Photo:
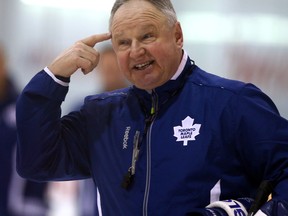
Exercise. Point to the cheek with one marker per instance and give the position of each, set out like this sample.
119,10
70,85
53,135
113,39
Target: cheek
158,51
122,60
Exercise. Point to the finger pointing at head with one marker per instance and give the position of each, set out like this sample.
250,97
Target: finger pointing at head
80,55
94,39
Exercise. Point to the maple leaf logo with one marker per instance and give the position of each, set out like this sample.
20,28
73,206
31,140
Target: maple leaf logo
187,132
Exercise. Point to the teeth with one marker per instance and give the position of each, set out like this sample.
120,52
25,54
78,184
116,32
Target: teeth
140,66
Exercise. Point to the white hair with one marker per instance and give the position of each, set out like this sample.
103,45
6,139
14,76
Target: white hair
164,6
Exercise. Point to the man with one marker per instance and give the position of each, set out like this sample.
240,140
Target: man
18,197
176,141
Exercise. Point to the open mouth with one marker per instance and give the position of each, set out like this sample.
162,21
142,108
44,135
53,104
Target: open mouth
143,66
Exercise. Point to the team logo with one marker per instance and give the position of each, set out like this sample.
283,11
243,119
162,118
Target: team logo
187,132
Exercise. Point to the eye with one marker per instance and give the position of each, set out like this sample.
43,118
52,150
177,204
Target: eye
123,42
147,36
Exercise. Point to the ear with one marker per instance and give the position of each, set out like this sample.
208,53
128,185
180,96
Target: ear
178,34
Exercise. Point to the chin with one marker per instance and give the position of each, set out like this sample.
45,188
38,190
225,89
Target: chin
146,86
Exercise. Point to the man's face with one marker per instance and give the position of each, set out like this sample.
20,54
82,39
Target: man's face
148,49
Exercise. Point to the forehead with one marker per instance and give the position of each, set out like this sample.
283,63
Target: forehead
135,13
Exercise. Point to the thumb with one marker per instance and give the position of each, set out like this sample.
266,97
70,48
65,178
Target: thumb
94,39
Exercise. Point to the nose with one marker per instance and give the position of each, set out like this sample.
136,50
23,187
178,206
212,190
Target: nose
137,50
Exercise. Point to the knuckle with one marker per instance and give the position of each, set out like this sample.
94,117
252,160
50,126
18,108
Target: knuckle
95,58
77,50
87,65
78,43
78,47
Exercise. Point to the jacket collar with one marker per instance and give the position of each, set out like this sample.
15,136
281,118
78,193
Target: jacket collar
181,66
167,90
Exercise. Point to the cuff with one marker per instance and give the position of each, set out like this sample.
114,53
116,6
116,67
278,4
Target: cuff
60,80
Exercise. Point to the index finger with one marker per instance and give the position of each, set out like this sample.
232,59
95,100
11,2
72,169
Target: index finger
94,39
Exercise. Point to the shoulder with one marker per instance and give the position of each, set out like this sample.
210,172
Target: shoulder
235,91
204,79
108,97
104,104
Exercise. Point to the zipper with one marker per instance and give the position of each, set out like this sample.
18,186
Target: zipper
148,130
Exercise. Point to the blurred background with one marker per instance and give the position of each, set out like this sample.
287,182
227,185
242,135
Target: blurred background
240,39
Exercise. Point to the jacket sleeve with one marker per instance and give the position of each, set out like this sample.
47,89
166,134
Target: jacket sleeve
261,137
49,147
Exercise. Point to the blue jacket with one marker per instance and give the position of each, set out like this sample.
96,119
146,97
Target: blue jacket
201,138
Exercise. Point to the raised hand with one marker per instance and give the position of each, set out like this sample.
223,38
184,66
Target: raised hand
81,55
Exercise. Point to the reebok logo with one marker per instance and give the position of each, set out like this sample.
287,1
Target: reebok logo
187,132
126,137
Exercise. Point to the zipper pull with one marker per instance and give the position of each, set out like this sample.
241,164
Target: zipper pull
129,176
136,150
127,180
152,112
154,103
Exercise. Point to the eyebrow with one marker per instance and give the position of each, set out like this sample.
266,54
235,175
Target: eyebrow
144,28
117,35
148,27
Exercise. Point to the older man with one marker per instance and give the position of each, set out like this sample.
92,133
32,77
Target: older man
178,140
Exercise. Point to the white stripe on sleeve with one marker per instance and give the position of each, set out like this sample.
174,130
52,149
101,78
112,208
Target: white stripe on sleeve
99,203
65,84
